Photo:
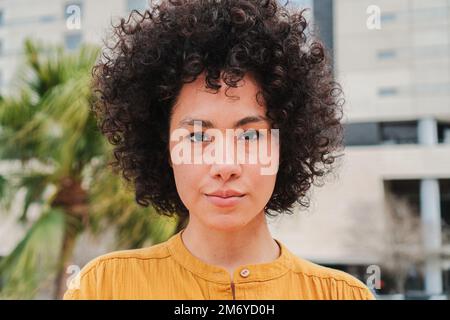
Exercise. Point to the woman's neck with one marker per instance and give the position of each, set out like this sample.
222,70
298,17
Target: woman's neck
251,244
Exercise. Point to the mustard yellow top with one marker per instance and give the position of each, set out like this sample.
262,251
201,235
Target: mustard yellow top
168,270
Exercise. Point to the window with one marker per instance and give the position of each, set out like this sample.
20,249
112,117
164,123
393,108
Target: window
443,132
47,18
73,40
387,91
444,195
398,132
2,21
361,134
388,16
377,133
408,189
386,54
446,278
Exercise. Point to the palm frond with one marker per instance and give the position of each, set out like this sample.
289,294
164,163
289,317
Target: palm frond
135,225
49,121
34,257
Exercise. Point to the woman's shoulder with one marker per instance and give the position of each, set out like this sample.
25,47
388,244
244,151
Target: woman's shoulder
340,284
310,269
84,283
157,251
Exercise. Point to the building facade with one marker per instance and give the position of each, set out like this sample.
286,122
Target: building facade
66,22
392,59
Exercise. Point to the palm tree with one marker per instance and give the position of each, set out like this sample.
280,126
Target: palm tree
47,128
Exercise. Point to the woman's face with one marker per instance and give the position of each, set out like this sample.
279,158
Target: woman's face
198,178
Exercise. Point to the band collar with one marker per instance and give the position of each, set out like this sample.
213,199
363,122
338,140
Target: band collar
244,273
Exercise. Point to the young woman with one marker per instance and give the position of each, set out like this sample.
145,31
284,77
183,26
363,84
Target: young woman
189,92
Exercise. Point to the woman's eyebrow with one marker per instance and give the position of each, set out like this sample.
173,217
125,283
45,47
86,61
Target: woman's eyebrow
209,124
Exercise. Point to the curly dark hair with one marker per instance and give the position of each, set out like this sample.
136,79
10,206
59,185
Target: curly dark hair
153,53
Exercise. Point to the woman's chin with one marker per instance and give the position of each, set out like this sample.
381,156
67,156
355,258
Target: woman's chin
226,223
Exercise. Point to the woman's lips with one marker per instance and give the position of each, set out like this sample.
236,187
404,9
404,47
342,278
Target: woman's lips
224,202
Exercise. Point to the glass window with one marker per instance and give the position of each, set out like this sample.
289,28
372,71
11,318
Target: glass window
387,91
444,132
375,133
73,40
386,54
47,18
388,16
398,132
360,134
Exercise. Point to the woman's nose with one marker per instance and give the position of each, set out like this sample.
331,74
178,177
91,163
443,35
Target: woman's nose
225,171
227,165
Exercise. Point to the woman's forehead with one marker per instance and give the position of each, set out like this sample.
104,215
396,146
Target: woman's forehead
195,101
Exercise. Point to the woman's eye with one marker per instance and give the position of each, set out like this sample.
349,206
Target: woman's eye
251,135
198,137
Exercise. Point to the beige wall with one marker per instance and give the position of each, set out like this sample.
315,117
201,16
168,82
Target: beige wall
420,35
347,217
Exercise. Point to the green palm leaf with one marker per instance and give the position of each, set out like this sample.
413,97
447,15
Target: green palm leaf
29,263
49,128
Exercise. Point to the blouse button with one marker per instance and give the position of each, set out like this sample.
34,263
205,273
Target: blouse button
245,272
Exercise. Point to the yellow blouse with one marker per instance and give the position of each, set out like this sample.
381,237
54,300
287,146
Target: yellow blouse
168,270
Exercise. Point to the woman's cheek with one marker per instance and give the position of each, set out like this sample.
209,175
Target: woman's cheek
187,180
261,186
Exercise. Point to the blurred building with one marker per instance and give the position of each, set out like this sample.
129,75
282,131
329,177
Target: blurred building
64,22
60,22
396,81
392,59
